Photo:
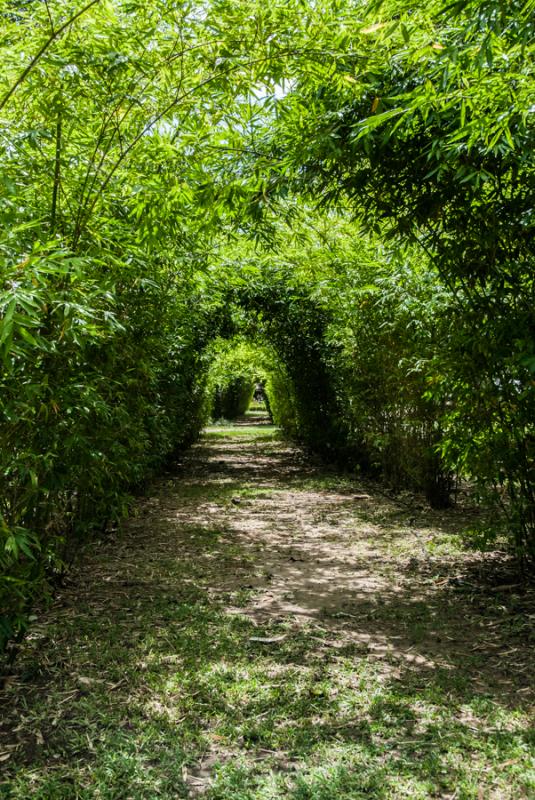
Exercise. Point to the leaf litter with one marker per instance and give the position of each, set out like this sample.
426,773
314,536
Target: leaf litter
238,649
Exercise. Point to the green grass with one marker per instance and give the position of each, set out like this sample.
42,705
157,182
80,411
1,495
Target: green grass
148,677
146,698
242,431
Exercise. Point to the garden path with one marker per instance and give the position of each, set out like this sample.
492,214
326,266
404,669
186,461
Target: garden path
265,627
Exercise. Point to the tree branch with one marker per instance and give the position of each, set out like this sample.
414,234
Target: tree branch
53,36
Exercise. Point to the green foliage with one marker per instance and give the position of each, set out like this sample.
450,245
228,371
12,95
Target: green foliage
233,400
233,374
420,120
280,397
103,319
298,387
154,162
355,329
97,389
388,332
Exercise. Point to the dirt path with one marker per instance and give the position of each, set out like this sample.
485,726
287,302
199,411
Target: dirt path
262,628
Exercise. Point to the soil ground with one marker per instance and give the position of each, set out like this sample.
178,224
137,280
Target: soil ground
263,627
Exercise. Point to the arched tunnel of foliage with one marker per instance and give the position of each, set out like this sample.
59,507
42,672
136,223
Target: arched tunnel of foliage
347,186
235,369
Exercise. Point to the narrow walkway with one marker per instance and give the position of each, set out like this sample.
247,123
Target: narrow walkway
262,628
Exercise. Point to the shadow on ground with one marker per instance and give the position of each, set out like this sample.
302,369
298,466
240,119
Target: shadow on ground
263,629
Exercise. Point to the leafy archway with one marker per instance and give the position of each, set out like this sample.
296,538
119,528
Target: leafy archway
163,162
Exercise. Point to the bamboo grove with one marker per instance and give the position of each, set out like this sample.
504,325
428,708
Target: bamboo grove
339,192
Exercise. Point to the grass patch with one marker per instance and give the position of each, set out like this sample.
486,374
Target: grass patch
249,432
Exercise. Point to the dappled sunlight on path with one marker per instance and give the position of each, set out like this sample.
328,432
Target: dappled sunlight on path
262,627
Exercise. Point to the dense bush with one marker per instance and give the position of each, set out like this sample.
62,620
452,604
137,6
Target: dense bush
239,363
355,330
233,400
102,320
100,383
280,399
425,131
151,201
389,332
299,388
232,377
